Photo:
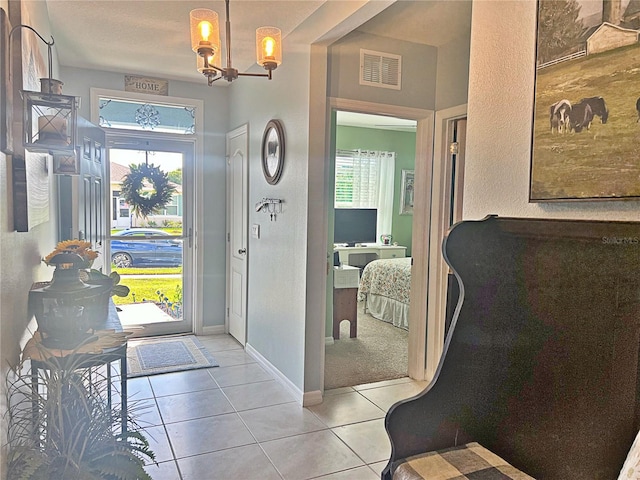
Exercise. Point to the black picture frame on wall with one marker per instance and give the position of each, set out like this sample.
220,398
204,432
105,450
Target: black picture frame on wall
273,151
585,131
6,86
20,202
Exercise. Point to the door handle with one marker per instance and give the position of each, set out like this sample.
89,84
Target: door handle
242,251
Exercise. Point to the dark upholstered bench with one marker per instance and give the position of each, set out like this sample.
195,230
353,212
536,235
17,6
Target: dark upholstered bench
471,461
540,365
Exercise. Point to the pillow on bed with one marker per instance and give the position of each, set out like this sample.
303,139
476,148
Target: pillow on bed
631,467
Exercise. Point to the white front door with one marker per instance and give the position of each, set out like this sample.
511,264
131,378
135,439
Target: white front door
154,254
237,216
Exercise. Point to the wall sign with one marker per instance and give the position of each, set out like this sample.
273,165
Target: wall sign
155,86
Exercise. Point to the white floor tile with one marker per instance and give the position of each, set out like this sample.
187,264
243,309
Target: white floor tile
187,406
209,434
360,473
182,382
345,409
310,455
237,421
163,471
368,439
240,374
242,463
254,395
280,421
387,396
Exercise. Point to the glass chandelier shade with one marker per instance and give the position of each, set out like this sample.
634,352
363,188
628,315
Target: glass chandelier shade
205,31
205,41
269,47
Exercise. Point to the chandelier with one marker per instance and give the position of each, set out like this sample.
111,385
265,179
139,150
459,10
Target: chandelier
205,41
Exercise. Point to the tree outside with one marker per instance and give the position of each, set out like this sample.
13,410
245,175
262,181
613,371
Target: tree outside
560,29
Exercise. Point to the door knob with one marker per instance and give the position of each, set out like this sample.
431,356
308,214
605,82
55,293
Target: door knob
242,251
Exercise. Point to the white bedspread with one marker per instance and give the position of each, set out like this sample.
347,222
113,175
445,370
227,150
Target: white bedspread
386,285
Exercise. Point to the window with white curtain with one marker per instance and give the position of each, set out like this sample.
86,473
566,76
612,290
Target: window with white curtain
364,179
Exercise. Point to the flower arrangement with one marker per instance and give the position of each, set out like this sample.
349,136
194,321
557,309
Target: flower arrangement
79,247
83,249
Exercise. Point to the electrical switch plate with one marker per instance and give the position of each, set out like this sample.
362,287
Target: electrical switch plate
255,230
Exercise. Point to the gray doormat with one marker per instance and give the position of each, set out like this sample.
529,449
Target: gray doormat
164,355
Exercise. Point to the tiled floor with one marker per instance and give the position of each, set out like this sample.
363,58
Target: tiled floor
236,422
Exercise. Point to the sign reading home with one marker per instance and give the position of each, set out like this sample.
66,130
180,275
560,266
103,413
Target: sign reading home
155,86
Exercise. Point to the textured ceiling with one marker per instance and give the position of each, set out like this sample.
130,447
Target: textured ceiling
151,37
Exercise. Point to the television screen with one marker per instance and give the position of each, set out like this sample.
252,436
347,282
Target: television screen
355,225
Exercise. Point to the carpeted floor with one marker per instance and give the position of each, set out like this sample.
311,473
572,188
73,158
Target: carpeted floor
153,356
378,353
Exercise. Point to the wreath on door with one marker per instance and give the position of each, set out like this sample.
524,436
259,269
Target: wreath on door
145,201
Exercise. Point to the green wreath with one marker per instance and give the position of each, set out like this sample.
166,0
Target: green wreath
144,204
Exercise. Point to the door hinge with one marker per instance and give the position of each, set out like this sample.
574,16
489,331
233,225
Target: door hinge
228,237
227,312
453,148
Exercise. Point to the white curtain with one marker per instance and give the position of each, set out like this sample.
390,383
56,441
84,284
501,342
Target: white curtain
385,192
365,179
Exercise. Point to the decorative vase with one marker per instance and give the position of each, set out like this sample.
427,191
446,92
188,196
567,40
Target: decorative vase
67,310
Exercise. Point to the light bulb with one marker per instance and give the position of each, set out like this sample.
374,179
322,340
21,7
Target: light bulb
268,46
205,30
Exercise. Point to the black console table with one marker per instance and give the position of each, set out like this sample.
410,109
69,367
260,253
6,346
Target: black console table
108,345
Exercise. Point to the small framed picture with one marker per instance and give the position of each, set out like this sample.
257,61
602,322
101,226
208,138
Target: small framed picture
406,193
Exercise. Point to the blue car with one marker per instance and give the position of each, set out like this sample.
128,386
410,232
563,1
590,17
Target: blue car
145,247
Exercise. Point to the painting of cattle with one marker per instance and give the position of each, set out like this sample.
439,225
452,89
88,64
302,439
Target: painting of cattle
586,121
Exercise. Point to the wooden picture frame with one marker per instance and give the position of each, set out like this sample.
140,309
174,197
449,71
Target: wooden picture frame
407,192
586,128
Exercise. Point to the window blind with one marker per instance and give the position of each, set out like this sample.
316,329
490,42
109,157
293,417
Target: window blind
357,179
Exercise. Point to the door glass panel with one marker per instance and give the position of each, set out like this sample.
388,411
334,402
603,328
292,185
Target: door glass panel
150,253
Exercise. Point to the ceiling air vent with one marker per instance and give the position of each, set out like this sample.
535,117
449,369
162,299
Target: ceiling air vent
378,69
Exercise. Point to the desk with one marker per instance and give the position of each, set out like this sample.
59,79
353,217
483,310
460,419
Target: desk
108,346
360,256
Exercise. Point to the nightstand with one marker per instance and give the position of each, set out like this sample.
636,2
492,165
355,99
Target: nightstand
345,299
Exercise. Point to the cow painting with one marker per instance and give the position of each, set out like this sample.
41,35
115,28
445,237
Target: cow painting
580,117
559,116
598,107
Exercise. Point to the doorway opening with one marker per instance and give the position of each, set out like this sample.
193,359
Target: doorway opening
370,228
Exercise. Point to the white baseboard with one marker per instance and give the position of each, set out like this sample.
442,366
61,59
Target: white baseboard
328,341
304,399
312,398
213,330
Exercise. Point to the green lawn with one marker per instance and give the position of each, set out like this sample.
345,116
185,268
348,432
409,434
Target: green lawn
603,161
145,289
147,271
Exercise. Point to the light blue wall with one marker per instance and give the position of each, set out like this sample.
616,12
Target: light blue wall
453,69
418,77
277,261
216,107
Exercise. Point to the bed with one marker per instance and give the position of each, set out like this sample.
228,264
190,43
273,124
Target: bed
385,287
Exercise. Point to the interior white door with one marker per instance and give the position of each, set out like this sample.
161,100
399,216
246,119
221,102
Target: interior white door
237,218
